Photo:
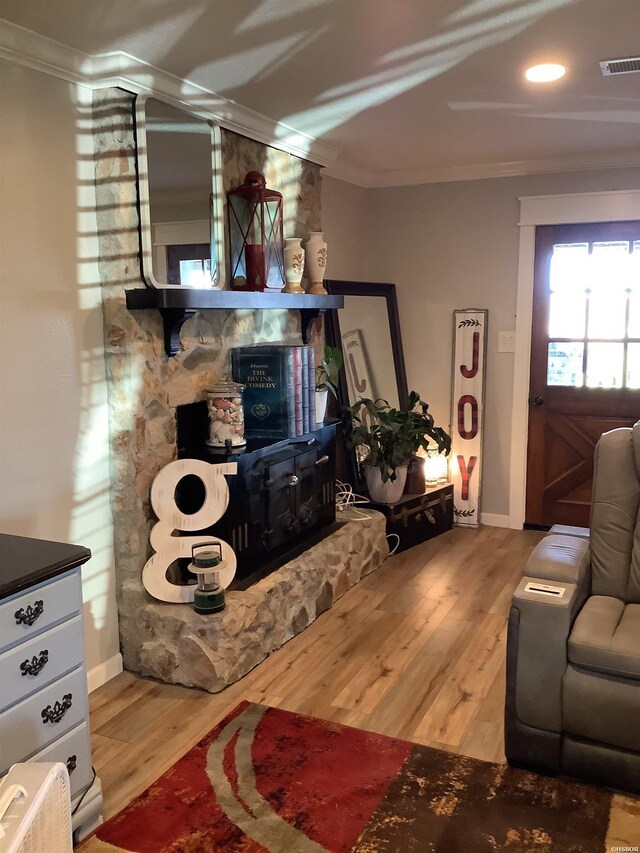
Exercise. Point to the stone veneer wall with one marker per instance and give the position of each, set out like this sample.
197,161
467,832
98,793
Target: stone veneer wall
144,385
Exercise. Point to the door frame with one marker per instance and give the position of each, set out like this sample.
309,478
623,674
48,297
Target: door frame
615,206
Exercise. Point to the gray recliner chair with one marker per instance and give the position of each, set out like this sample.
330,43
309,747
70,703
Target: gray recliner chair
573,648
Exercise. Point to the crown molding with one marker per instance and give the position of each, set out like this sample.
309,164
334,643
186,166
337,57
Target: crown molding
117,68
369,179
480,171
24,47
351,173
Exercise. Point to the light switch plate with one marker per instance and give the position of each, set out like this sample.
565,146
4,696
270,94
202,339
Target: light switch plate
506,341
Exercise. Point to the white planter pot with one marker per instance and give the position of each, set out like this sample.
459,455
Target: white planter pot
389,492
321,405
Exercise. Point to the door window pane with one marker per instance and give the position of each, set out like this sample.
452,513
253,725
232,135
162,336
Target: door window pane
564,364
604,365
634,315
610,267
607,313
634,268
567,314
634,293
569,267
633,366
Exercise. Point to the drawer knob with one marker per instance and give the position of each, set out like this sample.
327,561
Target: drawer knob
55,714
72,763
36,664
28,615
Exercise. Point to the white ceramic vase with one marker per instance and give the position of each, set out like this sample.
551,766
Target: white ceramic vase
293,265
385,493
316,261
321,405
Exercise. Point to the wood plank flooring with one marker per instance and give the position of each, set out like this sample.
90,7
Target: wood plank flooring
416,651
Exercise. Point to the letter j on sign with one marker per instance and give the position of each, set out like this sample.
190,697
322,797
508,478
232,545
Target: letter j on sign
469,356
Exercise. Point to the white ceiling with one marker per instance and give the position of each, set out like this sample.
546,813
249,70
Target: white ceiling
406,90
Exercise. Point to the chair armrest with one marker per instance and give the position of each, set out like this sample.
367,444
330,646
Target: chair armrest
539,626
560,558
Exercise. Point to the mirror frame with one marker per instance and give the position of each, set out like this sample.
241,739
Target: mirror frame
216,196
333,337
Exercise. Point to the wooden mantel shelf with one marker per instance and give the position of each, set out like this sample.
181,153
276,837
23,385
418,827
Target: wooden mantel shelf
175,304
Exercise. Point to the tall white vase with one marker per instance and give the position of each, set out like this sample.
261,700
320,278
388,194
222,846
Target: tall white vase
293,265
316,261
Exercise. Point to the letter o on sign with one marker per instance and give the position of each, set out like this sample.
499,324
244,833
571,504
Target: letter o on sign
467,400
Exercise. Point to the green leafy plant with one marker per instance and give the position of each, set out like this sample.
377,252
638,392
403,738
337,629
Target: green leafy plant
391,436
328,371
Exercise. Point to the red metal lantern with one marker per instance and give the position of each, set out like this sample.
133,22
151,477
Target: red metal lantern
255,235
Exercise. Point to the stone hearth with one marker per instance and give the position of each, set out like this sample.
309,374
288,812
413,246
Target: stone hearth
180,646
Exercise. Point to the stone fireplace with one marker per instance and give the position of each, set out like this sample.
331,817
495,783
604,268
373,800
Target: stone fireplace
145,388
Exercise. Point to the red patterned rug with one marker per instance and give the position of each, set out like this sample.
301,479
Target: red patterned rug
269,780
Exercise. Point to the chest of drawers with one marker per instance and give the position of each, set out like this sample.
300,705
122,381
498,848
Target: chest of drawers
43,682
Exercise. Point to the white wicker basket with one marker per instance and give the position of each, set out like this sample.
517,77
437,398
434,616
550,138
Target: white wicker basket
35,809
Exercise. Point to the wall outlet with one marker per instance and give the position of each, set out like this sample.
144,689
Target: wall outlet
506,341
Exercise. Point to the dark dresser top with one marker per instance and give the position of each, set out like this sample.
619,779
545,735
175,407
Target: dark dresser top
25,562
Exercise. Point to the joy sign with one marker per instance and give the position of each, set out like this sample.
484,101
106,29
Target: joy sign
469,353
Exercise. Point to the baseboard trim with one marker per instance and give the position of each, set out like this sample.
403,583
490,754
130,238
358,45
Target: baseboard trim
104,672
491,519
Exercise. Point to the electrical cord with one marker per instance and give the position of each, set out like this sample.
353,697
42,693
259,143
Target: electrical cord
79,803
397,545
346,497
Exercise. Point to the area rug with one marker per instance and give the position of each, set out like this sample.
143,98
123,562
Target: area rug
269,780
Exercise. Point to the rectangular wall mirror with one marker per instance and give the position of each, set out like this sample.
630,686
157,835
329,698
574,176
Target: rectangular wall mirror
181,196
367,330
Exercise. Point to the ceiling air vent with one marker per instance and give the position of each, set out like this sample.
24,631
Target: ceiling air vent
629,65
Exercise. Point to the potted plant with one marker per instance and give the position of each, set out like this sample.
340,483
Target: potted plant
389,437
327,379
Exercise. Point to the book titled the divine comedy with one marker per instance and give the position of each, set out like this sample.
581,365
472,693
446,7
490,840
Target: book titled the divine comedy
279,395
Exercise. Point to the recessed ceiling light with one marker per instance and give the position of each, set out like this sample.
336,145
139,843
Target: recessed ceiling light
545,73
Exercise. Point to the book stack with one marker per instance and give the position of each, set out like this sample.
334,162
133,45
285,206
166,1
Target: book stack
280,389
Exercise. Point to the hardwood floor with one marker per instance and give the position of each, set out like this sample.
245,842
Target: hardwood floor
416,651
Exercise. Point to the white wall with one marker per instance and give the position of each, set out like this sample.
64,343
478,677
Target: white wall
455,245
53,408
346,225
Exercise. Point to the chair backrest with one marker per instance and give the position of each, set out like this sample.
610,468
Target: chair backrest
615,515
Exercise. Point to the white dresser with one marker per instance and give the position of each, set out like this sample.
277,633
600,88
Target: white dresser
43,682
